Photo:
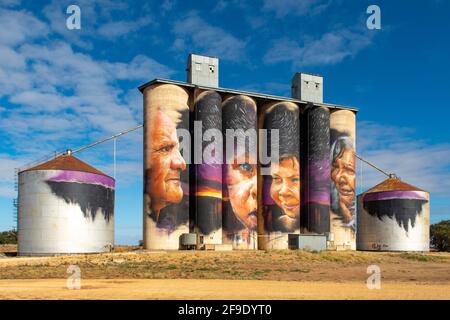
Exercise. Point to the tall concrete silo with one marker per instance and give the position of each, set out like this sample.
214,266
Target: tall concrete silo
343,178
65,207
166,173
393,216
281,179
208,167
239,124
315,168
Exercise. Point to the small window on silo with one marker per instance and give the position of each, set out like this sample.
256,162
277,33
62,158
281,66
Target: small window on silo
198,66
211,68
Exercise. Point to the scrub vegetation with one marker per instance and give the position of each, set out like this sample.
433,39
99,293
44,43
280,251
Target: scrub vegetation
135,263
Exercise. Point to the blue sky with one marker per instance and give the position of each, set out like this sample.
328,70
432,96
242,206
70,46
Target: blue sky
63,88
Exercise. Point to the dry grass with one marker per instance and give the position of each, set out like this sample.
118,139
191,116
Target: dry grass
134,263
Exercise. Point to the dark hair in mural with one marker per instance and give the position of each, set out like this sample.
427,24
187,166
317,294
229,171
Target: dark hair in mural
402,210
238,112
286,121
315,168
90,197
341,142
207,215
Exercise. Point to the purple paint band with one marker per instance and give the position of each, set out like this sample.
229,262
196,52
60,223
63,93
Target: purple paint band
209,172
83,177
388,195
266,197
319,197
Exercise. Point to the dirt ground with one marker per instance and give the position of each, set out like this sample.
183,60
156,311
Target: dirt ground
132,273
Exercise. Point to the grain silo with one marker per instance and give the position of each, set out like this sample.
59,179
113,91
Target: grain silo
166,173
393,216
208,167
65,207
343,178
281,176
239,221
315,168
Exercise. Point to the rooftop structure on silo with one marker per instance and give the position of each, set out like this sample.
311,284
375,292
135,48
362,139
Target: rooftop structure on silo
203,70
307,87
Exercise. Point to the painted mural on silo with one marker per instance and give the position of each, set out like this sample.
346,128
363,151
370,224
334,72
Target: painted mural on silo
239,207
281,188
315,169
208,174
343,178
393,216
166,176
65,211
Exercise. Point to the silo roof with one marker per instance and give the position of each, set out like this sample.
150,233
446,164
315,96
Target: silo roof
66,162
262,97
393,184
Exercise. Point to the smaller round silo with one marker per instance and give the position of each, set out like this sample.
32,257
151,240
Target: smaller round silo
65,207
393,216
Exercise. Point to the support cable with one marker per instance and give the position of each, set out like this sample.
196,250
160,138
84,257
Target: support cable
390,175
70,152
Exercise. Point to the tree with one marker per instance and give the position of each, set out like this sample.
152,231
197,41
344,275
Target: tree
440,235
8,237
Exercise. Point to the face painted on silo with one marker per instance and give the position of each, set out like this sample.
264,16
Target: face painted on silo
166,163
241,183
282,210
343,177
166,180
285,191
240,170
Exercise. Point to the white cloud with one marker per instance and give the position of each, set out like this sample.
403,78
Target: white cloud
9,3
209,39
98,19
220,6
140,68
419,163
283,8
18,26
330,48
167,5
63,99
10,58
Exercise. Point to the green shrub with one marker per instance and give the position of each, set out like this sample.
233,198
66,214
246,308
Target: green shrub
440,235
8,237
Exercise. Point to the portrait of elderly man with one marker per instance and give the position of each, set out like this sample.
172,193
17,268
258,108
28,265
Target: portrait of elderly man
282,210
240,173
165,166
343,179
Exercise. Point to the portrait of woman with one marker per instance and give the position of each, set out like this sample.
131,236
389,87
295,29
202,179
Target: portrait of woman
282,209
343,179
